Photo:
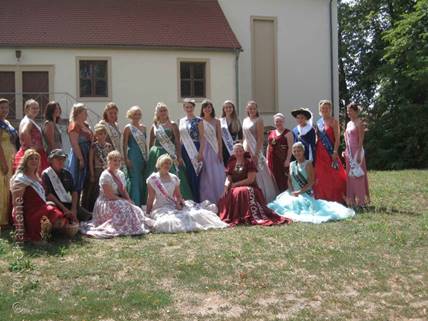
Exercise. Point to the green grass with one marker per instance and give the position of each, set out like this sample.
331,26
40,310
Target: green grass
374,267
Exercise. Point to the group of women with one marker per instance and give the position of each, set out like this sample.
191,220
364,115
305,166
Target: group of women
199,173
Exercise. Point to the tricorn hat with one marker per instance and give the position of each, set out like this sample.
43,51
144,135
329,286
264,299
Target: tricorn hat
302,111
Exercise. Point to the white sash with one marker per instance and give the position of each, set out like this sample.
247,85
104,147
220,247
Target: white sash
189,146
165,141
114,134
252,143
210,135
227,137
140,138
158,186
60,191
27,181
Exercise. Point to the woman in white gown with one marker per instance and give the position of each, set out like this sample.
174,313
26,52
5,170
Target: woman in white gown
114,212
168,209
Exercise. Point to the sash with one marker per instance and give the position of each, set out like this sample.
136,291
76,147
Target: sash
325,140
114,134
227,137
119,184
165,141
27,181
140,138
5,125
189,146
210,135
157,184
101,153
60,191
252,143
298,176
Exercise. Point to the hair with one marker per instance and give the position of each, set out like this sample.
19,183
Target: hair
298,144
30,102
163,159
278,115
113,155
50,110
205,104
253,102
109,106
100,128
189,101
76,110
24,161
4,101
354,106
235,124
324,102
238,145
158,106
131,111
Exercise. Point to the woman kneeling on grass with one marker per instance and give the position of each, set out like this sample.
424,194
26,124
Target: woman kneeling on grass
298,203
243,201
166,205
114,212
33,217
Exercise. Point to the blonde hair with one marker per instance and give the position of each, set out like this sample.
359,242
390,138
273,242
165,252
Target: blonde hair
30,102
163,159
131,111
298,145
240,145
113,155
76,110
324,102
110,105
24,161
100,128
158,106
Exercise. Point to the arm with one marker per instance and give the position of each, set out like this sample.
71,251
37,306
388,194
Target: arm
126,134
336,130
361,133
109,193
202,140
74,140
290,139
260,136
178,198
25,135
3,163
245,182
219,139
49,132
177,142
92,164
150,198
311,180
151,136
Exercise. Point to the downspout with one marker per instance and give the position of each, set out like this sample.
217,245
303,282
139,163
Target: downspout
331,55
237,52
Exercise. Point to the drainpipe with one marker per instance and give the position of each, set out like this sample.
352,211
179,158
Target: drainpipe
237,52
332,64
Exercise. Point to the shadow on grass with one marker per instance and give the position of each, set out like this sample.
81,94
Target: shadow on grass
389,210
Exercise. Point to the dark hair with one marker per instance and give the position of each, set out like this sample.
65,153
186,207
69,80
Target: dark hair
50,110
354,106
206,103
110,105
235,124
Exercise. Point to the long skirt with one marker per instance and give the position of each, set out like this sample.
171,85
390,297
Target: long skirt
212,176
192,178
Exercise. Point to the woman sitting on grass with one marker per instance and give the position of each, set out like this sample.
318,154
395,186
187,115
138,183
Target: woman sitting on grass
166,205
33,217
114,212
298,203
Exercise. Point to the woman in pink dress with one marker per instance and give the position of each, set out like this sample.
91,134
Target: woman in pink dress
357,189
31,136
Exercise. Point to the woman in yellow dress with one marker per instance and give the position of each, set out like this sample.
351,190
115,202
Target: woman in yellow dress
8,136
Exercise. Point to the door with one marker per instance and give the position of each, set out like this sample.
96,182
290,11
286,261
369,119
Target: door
7,90
35,85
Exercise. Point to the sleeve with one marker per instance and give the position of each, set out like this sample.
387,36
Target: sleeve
122,178
229,169
176,180
105,178
251,167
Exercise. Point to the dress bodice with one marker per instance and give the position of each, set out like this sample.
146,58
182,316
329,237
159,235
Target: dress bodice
240,172
251,125
107,178
352,134
278,144
35,133
295,169
192,128
57,135
162,200
169,132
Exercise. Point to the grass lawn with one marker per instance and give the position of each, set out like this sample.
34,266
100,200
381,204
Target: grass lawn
374,267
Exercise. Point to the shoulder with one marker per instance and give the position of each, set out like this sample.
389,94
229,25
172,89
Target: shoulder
174,178
151,177
74,128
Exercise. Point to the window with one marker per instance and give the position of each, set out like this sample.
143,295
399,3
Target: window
193,79
93,78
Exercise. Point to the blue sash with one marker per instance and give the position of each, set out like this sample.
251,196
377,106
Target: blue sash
10,130
325,140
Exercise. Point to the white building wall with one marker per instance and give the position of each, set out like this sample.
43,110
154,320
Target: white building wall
139,77
303,50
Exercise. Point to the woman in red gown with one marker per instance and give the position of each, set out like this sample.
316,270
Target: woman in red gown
31,136
32,216
330,176
278,152
243,202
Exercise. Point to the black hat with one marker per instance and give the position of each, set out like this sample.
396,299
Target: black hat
57,153
302,111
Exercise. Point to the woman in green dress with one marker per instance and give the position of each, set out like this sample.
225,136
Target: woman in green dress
165,139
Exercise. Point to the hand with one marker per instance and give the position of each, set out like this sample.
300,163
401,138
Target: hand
286,163
179,205
220,156
128,163
359,158
200,157
180,162
81,163
295,193
335,156
255,159
343,154
4,168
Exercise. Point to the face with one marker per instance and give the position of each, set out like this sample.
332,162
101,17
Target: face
82,116
57,112
101,136
4,110
325,110
238,151
33,110
279,122
351,113
165,167
252,110
188,108
112,115
57,163
33,162
162,113
301,119
208,109
136,115
228,109
115,163
298,153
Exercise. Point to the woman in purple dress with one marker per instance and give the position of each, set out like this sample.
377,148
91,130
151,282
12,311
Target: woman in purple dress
212,175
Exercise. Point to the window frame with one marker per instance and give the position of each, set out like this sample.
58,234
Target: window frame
207,79
109,79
